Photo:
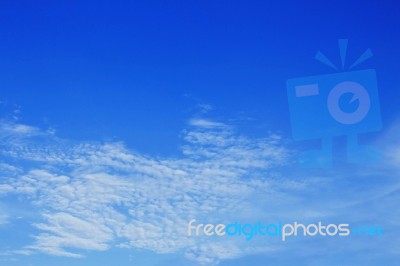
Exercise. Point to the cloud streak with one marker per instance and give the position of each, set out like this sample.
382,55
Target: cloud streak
95,196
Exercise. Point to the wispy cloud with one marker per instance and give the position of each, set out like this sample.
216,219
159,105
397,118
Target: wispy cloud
204,123
97,196
10,129
93,196
4,218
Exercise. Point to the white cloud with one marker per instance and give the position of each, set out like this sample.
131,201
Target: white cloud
92,196
4,218
204,123
18,130
63,231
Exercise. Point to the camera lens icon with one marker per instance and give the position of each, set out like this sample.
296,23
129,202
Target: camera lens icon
359,93
317,111
340,104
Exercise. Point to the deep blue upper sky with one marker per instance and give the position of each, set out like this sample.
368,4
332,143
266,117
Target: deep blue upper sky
125,69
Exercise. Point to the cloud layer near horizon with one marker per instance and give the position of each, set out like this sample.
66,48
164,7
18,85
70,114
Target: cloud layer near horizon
95,196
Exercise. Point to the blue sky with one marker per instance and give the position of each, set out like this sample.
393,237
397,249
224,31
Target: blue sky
120,121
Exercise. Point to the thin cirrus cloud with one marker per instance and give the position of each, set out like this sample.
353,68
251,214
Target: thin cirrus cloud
97,196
